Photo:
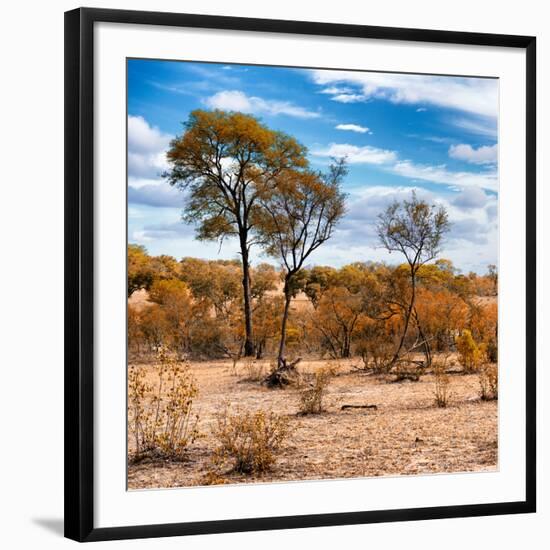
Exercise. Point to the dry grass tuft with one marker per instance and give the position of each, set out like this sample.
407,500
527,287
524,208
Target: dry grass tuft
254,371
160,414
442,384
488,382
312,398
214,478
247,440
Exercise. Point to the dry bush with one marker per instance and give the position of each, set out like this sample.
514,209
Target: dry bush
406,371
375,348
253,370
213,478
247,440
311,398
135,334
233,369
378,361
488,382
160,415
442,383
492,350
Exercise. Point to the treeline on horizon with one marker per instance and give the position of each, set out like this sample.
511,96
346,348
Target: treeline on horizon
195,308
245,181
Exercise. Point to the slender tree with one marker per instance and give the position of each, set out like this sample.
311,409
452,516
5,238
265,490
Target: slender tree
415,229
218,161
298,218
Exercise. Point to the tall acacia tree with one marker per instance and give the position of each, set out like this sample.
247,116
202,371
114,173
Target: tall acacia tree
297,219
218,161
415,229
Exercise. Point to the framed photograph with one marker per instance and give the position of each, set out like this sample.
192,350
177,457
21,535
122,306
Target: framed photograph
300,274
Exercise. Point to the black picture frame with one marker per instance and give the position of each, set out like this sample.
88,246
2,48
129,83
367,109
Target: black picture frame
79,269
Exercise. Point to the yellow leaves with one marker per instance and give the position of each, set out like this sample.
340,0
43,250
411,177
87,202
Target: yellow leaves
140,272
438,273
165,292
470,355
214,134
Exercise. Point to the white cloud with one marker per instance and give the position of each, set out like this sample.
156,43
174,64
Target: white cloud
434,139
159,194
440,174
145,165
482,126
486,154
334,90
140,237
164,230
349,98
471,197
473,95
358,155
143,138
231,100
353,128
147,147
492,210
421,110
390,161
235,100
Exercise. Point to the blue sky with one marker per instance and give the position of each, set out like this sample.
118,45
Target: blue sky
434,134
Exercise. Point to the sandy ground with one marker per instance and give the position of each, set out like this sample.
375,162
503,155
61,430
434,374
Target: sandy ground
405,435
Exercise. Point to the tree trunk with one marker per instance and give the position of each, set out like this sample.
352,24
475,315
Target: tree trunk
249,341
281,354
260,349
426,344
407,318
285,373
346,351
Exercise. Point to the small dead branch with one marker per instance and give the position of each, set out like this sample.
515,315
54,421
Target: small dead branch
346,407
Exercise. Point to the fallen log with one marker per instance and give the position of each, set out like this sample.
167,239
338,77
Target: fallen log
285,375
346,407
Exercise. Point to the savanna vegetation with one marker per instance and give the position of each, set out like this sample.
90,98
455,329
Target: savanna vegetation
249,369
